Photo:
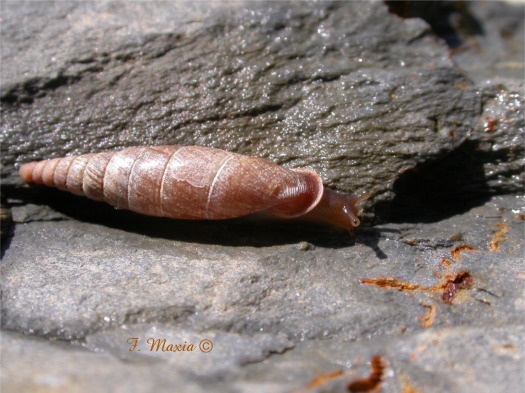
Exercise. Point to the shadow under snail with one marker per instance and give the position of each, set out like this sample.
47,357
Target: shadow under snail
196,183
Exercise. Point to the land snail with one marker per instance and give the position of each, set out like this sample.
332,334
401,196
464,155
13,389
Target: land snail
197,183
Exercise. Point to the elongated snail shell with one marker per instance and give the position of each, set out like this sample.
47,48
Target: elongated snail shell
195,182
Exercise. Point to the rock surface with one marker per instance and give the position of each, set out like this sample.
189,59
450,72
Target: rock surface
400,293
305,87
429,298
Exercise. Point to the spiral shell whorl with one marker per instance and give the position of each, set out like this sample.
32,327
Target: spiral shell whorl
182,182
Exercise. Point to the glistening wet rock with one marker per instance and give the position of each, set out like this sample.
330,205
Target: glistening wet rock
490,162
315,86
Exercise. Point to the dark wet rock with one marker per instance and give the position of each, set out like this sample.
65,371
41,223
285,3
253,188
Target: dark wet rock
500,137
303,86
430,299
486,41
491,161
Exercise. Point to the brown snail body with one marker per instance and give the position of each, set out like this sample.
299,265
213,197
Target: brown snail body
195,182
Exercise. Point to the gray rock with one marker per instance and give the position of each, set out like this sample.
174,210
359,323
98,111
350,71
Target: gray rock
370,100
302,86
486,38
486,41
490,161
495,48
59,366
206,354
435,360
500,136
109,285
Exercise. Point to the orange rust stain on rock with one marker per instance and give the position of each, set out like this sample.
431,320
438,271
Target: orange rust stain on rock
428,318
370,384
406,385
392,283
498,237
456,251
489,124
448,289
374,380
450,284
463,280
505,349
323,379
